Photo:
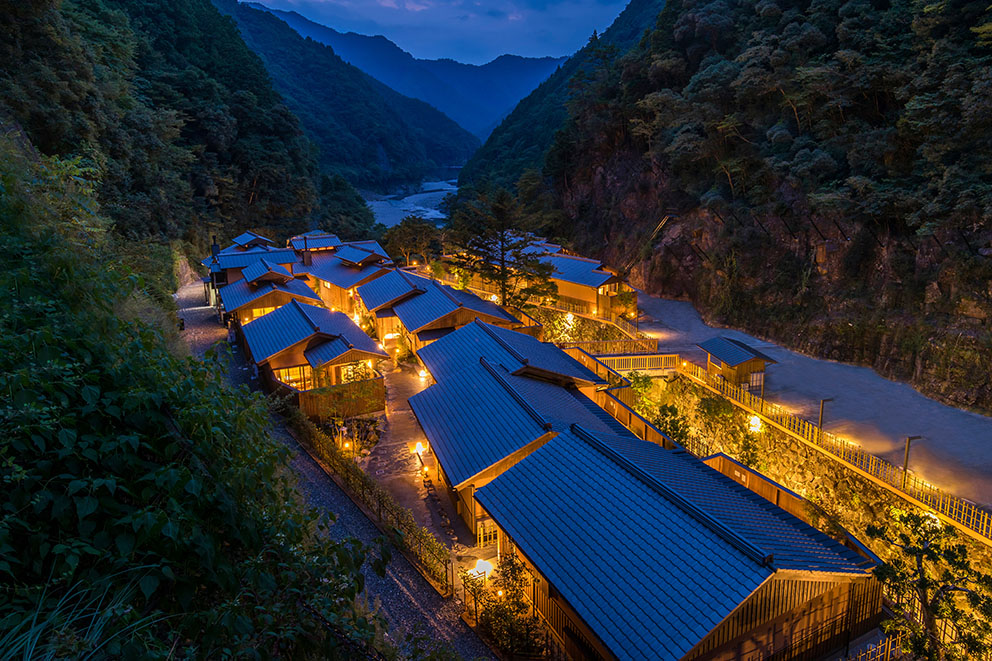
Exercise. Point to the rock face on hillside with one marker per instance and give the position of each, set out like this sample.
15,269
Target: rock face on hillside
800,176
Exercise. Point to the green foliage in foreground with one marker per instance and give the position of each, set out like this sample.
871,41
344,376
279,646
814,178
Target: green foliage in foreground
146,510
939,585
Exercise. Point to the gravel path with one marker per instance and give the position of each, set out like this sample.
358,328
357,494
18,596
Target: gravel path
404,598
955,452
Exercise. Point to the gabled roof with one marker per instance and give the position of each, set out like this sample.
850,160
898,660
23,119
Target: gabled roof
388,289
241,293
579,270
314,240
372,247
438,301
327,267
355,255
593,527
792,543
732,352
247,238
521,354
475,420
239,260
263,269
298,322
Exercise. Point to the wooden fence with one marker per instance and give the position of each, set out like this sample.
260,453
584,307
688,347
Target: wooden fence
964,515
884,650
345,400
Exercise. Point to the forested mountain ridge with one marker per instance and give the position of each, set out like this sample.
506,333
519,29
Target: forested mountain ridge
814,172
175,116
522,139
366,132
475,96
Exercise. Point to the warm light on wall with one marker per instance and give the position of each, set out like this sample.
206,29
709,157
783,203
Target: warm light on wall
389,336
420,449
423,374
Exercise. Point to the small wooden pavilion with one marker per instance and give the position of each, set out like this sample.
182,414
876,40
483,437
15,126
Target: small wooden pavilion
263,288
736,362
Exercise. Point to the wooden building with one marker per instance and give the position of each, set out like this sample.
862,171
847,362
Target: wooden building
226,266
336,272
499,395
638,552
412,311
317,355
588,286
736,362
263,288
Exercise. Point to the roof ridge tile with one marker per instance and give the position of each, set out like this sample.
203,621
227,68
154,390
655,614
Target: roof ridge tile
524,404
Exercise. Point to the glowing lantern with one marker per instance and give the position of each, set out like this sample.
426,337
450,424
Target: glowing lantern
420,448
483,568
423,374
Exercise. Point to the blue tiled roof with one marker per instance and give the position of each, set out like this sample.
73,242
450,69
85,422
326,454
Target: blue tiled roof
239,260
297,322
240,293
580,270
387,289
596,531
355,255
439,300
518,352
372,247
793,543
247,237
315,240
434,334
263,268
473,421
731,352
563,406
330,269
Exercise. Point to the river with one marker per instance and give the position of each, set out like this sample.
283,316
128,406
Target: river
425,203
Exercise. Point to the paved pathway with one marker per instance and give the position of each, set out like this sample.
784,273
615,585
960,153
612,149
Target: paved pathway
404,598
955,452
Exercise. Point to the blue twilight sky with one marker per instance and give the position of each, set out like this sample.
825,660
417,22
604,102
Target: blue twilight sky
474,31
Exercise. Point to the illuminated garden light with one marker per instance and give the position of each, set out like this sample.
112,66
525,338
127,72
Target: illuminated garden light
754,424
423,374
483,568
420,448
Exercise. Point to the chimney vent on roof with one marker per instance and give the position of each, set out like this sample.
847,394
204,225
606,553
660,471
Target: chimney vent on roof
214,247
307,258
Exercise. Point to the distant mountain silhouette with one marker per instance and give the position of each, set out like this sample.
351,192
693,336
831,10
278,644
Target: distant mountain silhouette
478,97
366,131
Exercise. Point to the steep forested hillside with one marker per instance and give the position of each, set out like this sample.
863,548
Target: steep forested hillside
171,111
475,96
521,141
366,131
824,170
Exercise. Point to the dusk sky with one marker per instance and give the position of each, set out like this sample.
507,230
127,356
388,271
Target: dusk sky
474,31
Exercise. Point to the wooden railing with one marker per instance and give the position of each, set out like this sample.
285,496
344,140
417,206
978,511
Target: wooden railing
964,515
884,650
607,347
642,363
618,400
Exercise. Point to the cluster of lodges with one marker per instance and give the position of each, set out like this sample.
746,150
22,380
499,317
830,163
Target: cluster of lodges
634,550
298,310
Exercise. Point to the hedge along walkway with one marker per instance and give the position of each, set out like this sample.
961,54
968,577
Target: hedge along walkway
404,597
955,453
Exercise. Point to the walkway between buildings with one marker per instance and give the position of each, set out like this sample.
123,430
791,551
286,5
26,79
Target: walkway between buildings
405,599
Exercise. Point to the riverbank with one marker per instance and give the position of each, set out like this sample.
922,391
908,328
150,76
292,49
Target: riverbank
425,202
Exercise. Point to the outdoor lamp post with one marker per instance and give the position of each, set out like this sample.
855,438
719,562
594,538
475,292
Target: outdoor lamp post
819,423
905,461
